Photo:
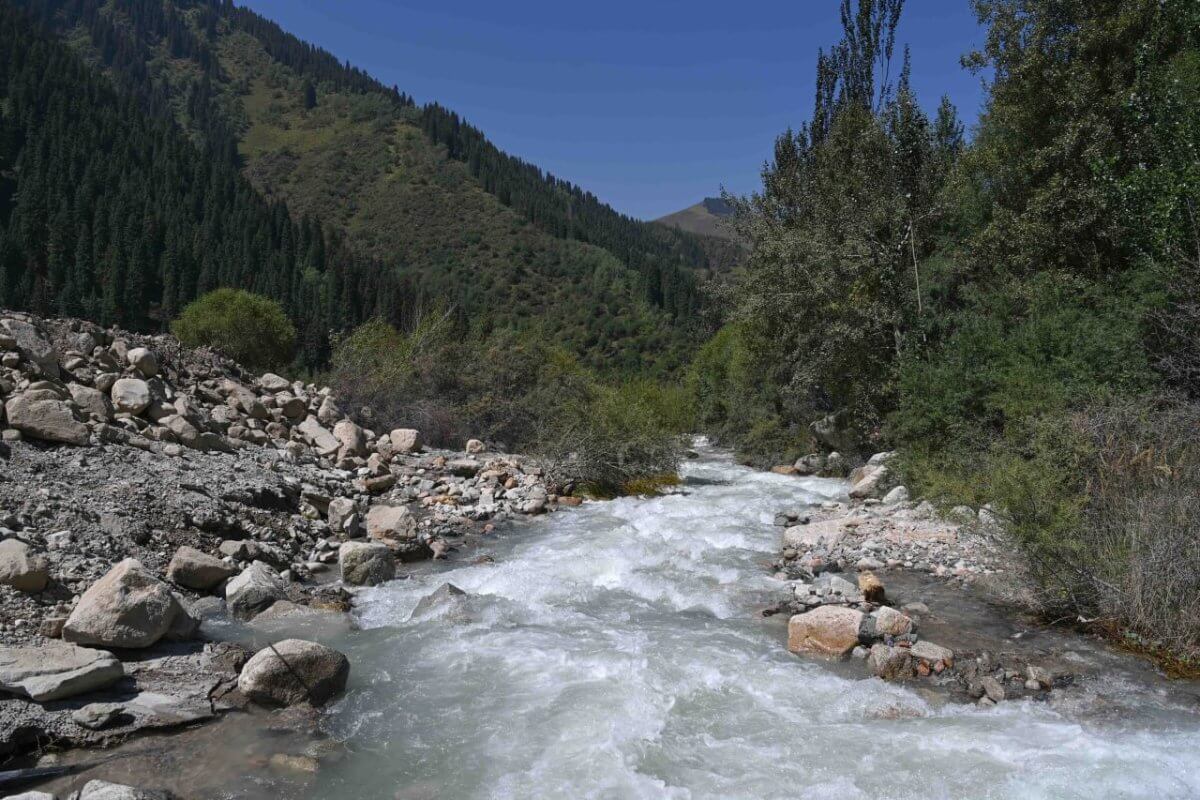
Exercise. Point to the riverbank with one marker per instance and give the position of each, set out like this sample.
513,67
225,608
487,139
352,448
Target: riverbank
939,601
151,497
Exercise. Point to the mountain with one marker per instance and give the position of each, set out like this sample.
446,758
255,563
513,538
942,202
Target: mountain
413,191
706,218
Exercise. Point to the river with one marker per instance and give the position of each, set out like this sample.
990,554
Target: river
618,651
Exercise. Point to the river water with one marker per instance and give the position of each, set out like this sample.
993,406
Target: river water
617,651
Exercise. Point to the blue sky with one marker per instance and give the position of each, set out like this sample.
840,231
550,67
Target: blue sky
651,105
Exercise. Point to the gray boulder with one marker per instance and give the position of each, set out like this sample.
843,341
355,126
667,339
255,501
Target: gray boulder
447,603
270,382
91,401
318,436
56,670
144,361
194,569
366,563
352,438
130,395
32,344
42,416
405,440
294,671
343,516
103,790
21,568
129,607
890,663
253,590
391,522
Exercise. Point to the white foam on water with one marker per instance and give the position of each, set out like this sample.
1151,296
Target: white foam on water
615,651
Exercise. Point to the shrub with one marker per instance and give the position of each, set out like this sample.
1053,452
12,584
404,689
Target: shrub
1104,503
251,329
611,443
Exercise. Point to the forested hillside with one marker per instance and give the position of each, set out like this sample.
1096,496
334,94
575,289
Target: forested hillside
113,213
415,192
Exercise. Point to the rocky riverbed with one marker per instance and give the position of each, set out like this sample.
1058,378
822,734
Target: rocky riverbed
148,493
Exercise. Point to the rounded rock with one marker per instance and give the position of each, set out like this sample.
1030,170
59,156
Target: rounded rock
294,671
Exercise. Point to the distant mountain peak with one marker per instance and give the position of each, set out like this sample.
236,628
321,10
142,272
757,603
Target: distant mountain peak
704,218
717,206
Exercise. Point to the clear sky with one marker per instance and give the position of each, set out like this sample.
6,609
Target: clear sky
650,104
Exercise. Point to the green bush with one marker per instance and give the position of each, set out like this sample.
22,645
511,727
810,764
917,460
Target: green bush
251,329
612,442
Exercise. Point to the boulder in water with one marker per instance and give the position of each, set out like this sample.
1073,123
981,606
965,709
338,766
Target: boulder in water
447,602
366,563
827,630
294,671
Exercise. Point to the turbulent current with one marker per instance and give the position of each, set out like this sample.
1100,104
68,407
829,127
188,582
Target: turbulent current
617,651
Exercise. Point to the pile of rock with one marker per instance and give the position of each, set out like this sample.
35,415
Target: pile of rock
145,487
880,528
892,532
840,621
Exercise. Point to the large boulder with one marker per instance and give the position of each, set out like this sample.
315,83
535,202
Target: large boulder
387,522
447,603
318,436
810,464
21,568
343,516
130,395
32,344
56,670
144,361
42,416
366,563
828,630
254,589
405,440
294,671
352,438
197,570
128,607
868,480
932,654
890,622
826,533
92,402
890,663
270,382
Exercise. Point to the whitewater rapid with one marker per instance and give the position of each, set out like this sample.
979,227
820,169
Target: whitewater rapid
617,651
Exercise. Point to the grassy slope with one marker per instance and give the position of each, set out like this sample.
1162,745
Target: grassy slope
697,219
358,162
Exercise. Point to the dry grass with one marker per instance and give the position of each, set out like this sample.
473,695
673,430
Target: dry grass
1133,564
